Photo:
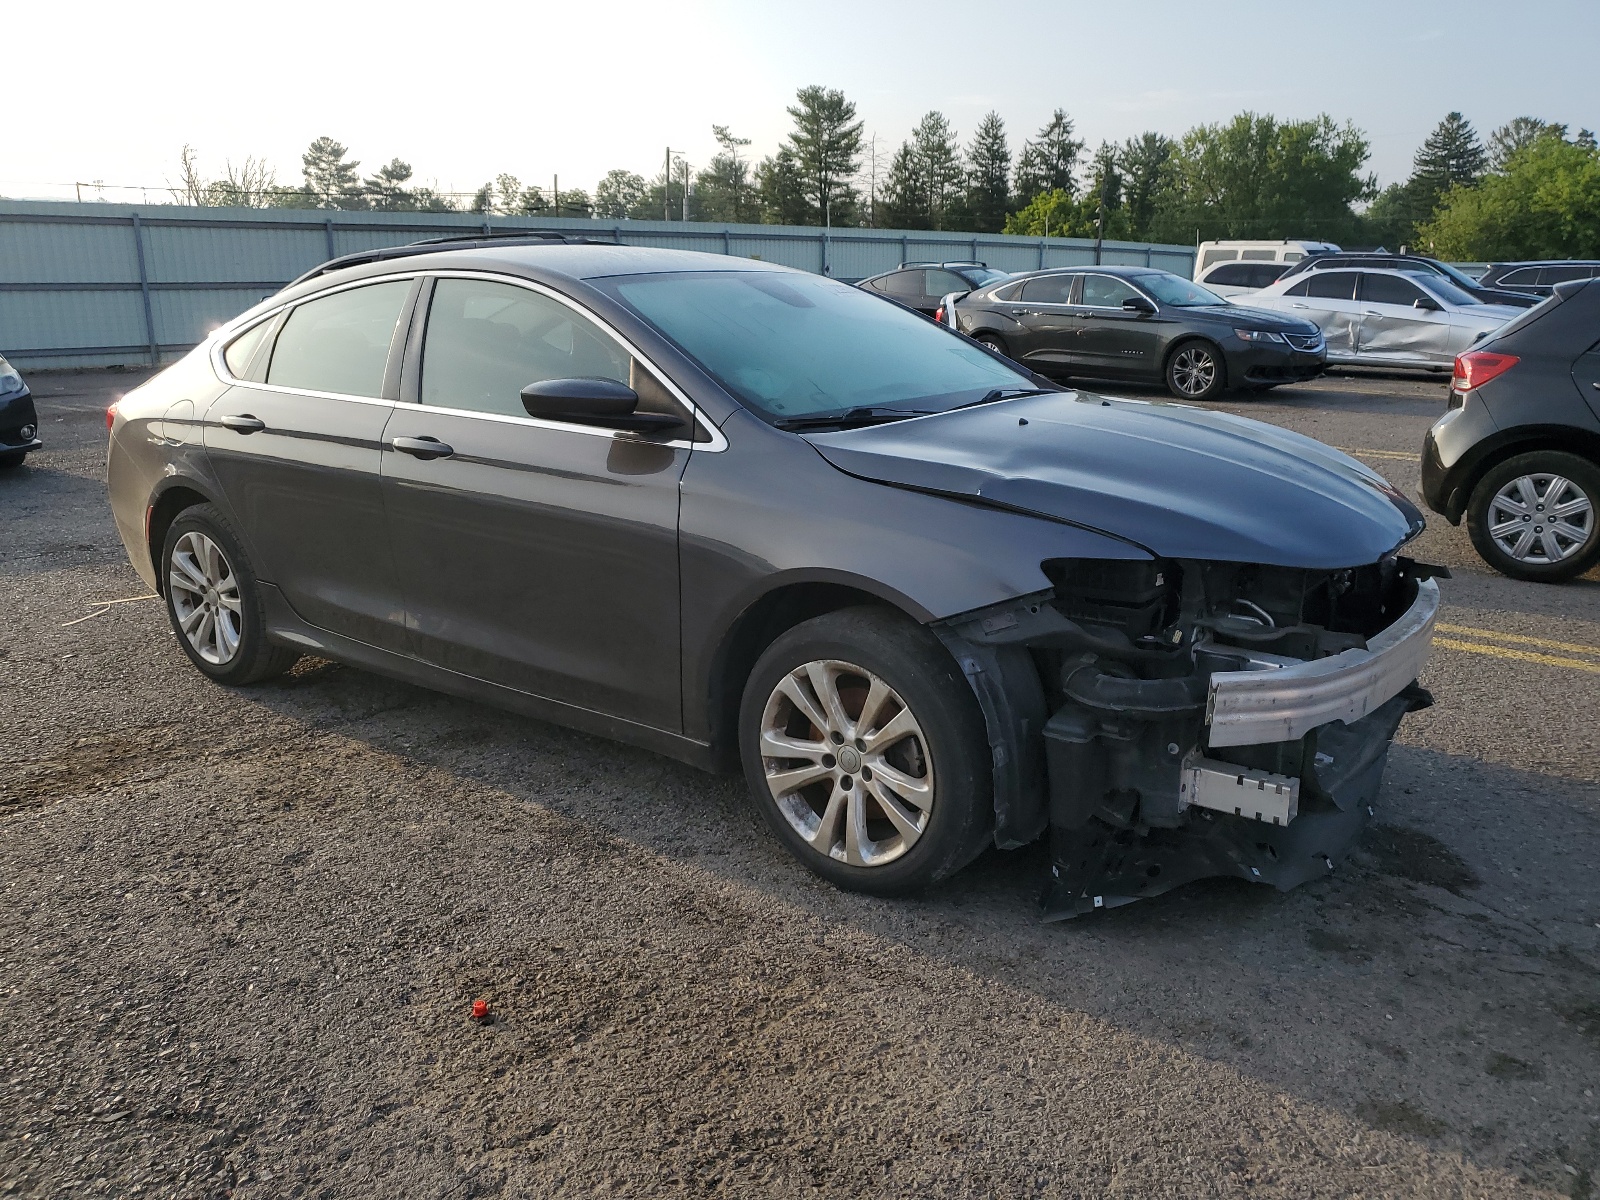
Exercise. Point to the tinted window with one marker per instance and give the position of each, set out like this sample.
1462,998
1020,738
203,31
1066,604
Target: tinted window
1293,256
1443,289
903,283
941,283
1260,255
243,349
1232,274
1105,291
1265,273
789,344
487,341
1180,293
981,276
1048,289
339,343
1522,275
1330,285
1389,289
1564,274
1216,256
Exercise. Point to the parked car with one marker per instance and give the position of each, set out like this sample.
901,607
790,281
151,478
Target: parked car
1476,288
922,285
1538,279
1139,323
1209,254
19,422
1235,278
726,510
1380,318
1517,452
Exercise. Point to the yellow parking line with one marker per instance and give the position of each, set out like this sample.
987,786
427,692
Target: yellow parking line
1402,456
1548,660
1523,639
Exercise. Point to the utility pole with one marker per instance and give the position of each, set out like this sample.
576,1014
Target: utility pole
555,193
666,187
685,163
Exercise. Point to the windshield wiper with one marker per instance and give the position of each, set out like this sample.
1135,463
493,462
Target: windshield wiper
1007,394
865,415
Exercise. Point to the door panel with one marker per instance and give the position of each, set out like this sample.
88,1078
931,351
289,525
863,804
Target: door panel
1586,374
538,555
1111,341
1050,324
1394,330
298,459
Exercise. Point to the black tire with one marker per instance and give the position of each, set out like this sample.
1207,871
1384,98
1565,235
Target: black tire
1179,365
14,458
254,658
1541,467
913,663
995,342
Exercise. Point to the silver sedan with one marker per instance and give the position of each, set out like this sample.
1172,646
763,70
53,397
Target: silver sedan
1385,318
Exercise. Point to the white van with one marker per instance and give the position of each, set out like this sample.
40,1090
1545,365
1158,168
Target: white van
1209,254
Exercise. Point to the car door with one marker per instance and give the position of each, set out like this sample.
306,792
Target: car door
1586,374
1113,341
1401,324
908,287
297,454
537,554
1328,298
940,284
1048,325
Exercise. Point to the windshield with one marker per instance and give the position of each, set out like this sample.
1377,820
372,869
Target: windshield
982,276
796,345
1462,279
1444,289
1177,291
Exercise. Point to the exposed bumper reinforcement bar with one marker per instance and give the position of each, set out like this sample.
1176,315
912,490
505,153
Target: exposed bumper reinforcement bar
1246,708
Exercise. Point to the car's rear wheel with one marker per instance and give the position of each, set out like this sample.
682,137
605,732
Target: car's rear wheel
994,341
214,601
1195,371
865,751
1537,516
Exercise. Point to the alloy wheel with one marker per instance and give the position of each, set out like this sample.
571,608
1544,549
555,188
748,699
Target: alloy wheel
205,598
1194,370
847,763
1541,518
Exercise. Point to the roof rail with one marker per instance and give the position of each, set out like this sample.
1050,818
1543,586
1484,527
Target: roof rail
952,262
460,241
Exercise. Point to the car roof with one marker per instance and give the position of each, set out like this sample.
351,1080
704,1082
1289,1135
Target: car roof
1547,262
1121,269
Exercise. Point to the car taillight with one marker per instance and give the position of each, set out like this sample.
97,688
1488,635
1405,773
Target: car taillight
1476,367
111,415
938,314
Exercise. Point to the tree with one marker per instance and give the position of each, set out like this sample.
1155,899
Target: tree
724,187
330,177
904,202
1049,161
1146,163
1056,213
1260,177
943,174
387,192
782,191
1543,203
1104,193
825,148
989,176
1451,155
618,194
252,184
1518,134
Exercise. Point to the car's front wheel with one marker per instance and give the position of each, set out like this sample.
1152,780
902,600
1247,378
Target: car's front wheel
1195,371
12,458
1534,516
865,751
214,602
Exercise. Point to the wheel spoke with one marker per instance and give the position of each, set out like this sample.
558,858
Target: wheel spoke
780,745
918,792
826,834
227,636
231,603
1579,504
783,783
1524,542
1528,490
188,575
856,839
824,681
190,622
1505,529
877,694
898,817
791,687
900,725
1571,532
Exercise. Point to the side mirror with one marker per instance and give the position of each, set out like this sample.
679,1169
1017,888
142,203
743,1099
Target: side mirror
1138,304
603,402
1426,304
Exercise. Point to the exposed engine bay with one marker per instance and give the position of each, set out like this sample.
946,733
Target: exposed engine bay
1170,720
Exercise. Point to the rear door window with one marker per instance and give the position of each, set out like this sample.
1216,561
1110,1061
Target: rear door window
1522,275
903,283
242,350
1232,274
1106,291
942,283
1048,289
339,343
1331,285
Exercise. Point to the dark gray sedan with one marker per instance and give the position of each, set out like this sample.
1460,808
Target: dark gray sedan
741,514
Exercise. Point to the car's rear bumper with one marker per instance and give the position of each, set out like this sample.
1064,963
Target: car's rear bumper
1248,708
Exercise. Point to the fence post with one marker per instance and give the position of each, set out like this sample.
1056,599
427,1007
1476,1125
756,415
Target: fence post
327,229
905,247
1147,256
974,249
144,289
1041,254
727,243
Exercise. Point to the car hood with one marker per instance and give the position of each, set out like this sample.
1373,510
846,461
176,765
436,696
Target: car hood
1490,313
1180,482
1243,316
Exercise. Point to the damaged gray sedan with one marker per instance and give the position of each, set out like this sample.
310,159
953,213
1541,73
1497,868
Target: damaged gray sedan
744,515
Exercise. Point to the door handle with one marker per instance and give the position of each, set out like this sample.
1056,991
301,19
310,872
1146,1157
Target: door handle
422,447
1370,313
1300,306
244,423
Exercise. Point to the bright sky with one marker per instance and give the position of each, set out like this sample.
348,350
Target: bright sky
464,91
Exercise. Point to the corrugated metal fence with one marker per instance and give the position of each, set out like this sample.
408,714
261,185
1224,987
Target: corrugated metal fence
108,284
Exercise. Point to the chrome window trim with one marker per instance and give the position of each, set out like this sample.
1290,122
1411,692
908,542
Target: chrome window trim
225,337
1129,283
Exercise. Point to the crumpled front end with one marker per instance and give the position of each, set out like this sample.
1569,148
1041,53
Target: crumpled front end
1170,720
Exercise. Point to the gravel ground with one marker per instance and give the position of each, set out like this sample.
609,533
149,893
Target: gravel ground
240,934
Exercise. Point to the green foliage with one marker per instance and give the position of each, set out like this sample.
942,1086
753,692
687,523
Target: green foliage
1048,163
926,185
1518,134
1451,156
1146,163
1543,203
782,191
1260,177
618,194
386,191
330,177
988,176
824,152
1060,214
724,191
